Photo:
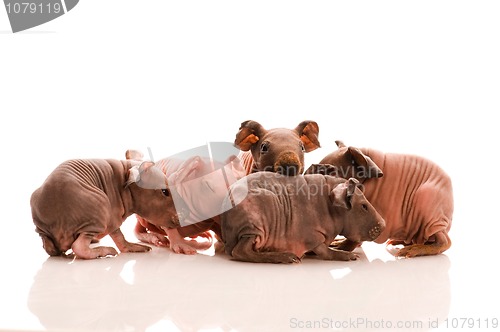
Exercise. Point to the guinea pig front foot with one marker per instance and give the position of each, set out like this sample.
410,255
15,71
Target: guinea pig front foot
125,246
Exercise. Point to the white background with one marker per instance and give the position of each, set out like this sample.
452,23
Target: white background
418,77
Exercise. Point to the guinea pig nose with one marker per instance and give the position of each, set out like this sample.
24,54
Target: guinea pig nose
175,221
288,163
375,232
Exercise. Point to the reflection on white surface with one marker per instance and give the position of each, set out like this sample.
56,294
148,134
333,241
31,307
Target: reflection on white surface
340,273
158,291
127,273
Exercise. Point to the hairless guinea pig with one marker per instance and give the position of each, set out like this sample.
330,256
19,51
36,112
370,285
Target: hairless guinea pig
198,185
281,218
277,150
83,200
413,195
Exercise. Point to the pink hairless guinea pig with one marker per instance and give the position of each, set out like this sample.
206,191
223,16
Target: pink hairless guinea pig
412,194
198,180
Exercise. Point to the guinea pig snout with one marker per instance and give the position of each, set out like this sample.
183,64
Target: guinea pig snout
175,220
181,216
375,231
288,163
178,218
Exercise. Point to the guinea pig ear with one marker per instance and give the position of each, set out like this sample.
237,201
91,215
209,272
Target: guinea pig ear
133,175
249,133
343,193
324,169
369,168
234,169
150,176
340,144
352,184
308,132
134,155
338,196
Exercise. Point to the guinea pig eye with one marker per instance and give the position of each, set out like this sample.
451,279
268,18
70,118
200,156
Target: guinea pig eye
165,192
302,147
364,207
264,147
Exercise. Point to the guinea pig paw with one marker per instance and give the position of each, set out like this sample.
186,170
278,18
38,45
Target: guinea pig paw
352,256
101,252
289,258
199,245
340,255
134,247
182,248
408,252
158,240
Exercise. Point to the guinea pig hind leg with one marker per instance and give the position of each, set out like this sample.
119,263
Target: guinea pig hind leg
324,252
244,251
441,244
81,248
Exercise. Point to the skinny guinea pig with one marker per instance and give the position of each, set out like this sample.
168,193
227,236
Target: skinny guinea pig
83,200
281,218
413,195
198,184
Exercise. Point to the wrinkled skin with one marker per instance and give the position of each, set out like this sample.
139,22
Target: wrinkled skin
277,150
83,200
280,218
201,185
412,194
